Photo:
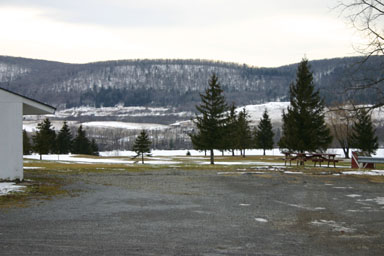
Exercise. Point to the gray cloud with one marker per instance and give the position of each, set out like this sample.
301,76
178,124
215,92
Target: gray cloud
162,13
142,13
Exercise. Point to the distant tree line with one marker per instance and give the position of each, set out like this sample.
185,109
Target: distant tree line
110,97
46,141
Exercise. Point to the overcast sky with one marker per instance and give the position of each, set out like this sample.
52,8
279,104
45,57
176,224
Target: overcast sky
258,33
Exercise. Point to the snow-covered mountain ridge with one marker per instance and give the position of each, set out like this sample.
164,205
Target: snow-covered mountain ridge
169,83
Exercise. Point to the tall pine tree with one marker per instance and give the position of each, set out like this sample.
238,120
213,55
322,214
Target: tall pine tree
363,133
231,130
44,139
244,134
27,147
304,128
212,119
142,145
81,144
263,135
94,148
64,140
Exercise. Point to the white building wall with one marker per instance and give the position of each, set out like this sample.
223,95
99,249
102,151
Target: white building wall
11,140
12,108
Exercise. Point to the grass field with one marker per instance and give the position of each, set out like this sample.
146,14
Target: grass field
48,178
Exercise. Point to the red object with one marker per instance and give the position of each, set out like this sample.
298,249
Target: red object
356,165
354,160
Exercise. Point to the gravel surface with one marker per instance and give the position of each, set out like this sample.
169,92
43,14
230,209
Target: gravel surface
176,212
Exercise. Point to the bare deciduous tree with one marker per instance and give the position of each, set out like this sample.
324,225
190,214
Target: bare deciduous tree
367,16
341,119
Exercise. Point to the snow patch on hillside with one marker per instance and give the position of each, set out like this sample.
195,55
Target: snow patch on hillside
119,111
31,126
124,125
275,111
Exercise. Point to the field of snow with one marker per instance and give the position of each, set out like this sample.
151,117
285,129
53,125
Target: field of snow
118,111
370,172
275,110
30,126
163,154
183,152
253,152
176,157
125,125
255,112
157,159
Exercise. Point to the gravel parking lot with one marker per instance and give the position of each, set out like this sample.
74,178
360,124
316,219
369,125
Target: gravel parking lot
177,212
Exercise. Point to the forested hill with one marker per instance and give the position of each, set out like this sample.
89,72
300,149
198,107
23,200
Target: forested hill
174,83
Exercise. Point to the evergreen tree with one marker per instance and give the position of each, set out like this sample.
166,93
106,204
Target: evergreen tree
94,148
142,145
244,134
263,133
363,133
231,130
81,144
44,139
64,140
304,127
212,120
27,147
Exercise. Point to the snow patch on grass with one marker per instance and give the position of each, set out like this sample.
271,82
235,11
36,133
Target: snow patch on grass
85,160
32,168
370,172
8,187
194,153
289,172
242,163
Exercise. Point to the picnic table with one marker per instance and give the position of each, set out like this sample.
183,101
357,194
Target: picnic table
301,158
